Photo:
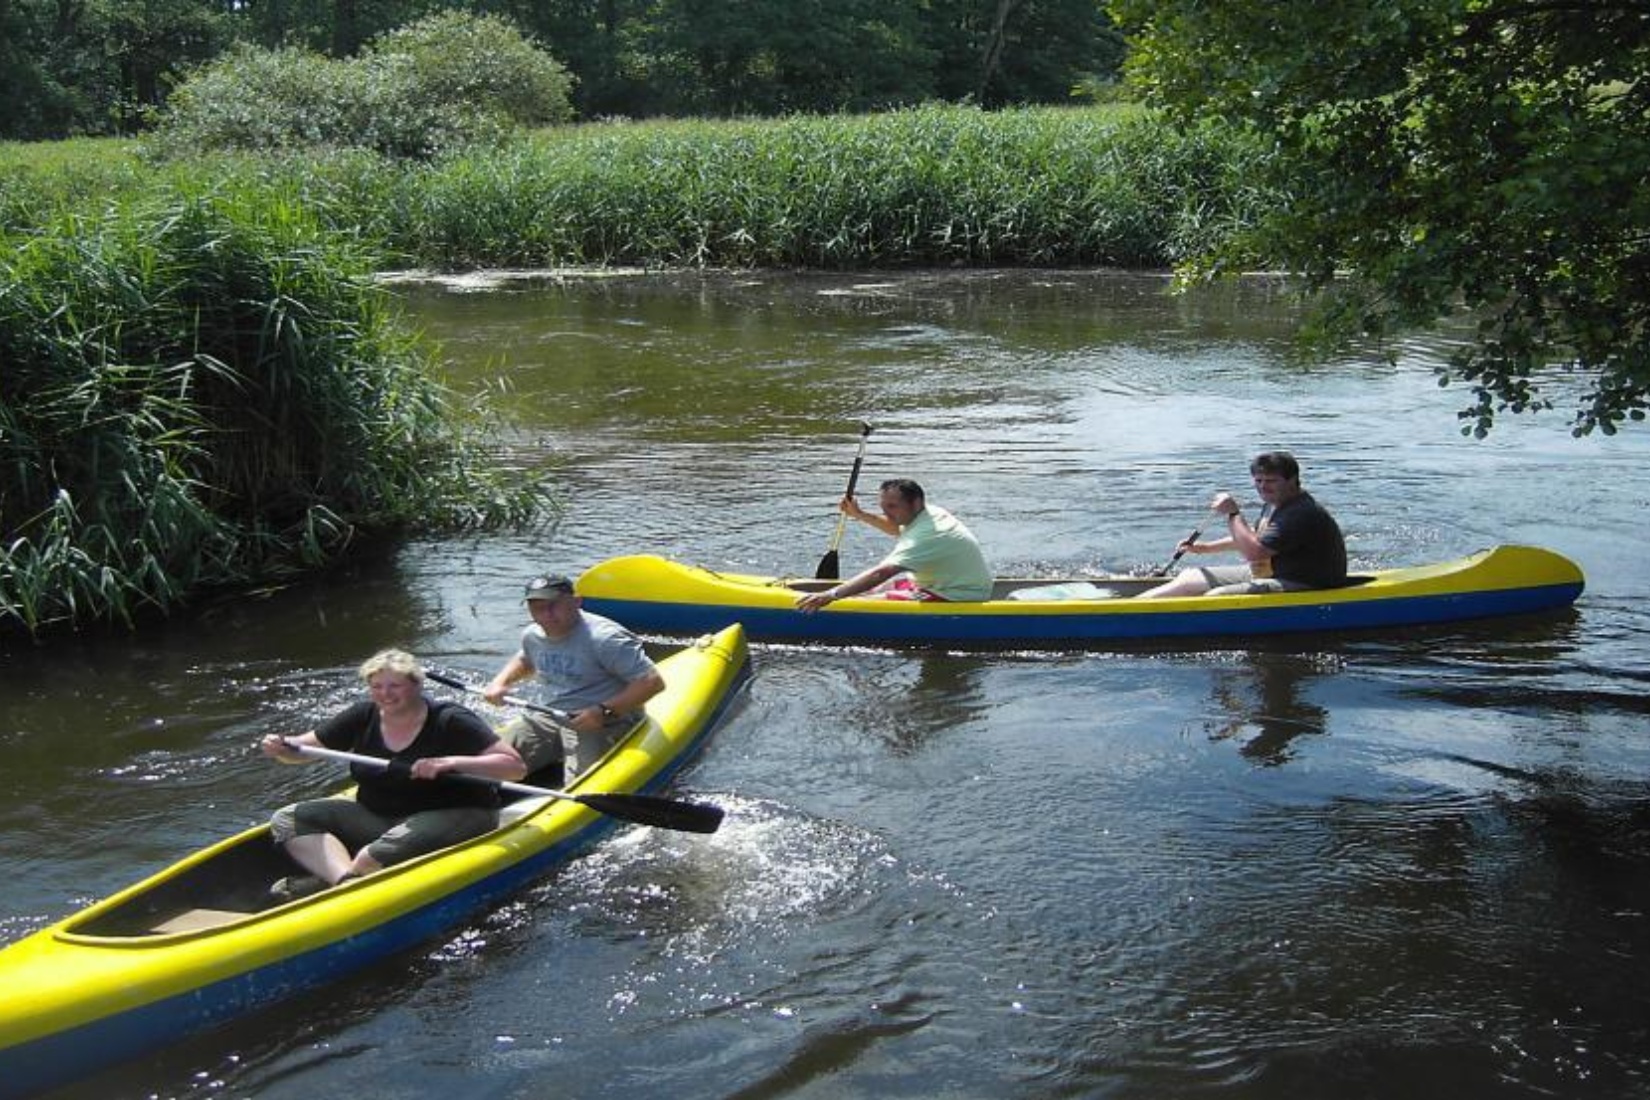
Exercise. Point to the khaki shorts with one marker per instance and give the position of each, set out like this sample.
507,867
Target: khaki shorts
543,741
1237,580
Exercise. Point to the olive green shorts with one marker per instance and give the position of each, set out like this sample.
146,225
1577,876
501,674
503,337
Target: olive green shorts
388,840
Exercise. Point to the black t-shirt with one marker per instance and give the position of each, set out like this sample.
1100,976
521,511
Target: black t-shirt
449,730
1306,544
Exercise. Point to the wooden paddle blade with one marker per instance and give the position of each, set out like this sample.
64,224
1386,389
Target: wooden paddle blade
662,813
830,567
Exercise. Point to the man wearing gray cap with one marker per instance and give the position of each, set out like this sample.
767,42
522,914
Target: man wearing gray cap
590,666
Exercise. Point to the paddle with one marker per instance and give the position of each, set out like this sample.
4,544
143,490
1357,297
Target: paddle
830,566
643,809
514,700
1189,539
693,817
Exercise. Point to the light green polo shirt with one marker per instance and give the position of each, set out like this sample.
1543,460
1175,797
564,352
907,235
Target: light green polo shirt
942,556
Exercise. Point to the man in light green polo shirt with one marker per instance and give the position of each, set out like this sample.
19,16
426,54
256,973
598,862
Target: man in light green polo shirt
941,555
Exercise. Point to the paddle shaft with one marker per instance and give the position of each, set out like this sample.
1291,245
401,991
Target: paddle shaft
1188,540
561,716
642,809
830,566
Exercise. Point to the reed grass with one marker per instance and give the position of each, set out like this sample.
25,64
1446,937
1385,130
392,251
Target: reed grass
1108,185
212,393
930,186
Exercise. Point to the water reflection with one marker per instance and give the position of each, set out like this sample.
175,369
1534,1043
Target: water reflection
907,701
1263,703
945,692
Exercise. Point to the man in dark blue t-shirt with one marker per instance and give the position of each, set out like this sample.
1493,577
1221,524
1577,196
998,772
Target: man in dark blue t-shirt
1295,544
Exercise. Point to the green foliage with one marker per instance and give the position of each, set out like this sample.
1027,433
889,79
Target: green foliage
211,393
69,68
925,186
938,185
754,57
770,57
38,103
1449,156
449,80
483,61
94,68
41,180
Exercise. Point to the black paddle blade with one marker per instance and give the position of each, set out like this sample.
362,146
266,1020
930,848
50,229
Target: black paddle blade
661,813
830,567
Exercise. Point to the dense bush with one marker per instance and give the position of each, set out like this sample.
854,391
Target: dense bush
449,80
211,394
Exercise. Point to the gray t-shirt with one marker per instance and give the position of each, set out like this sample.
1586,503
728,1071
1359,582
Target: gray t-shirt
589,666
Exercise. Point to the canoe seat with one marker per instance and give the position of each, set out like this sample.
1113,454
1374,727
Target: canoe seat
196,920
521,807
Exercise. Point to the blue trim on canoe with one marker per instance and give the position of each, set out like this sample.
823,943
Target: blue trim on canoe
55,1060
1011,627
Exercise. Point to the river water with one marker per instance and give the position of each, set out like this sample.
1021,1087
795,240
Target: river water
1412,864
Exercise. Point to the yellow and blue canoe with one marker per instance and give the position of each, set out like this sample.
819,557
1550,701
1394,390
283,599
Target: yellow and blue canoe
658,595
200,942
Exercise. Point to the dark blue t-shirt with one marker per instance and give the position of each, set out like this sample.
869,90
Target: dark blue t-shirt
1306,544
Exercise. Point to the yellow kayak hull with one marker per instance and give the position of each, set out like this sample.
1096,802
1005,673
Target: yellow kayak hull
180,951
655,594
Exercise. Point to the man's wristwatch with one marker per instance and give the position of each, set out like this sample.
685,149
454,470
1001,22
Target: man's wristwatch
607,711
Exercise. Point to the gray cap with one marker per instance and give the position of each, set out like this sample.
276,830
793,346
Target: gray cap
549,587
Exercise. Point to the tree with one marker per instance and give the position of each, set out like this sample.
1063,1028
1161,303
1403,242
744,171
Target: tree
777,56
1001,52
593,38
150,42
1439,159
337,28
95,66
38,105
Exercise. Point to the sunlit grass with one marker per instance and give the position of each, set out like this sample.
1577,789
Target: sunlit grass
1100,185
210,393
1093,186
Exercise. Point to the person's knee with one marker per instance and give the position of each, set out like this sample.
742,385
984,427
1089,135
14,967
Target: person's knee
283,823
428,832
540,744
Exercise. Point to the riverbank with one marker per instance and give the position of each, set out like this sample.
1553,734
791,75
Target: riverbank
180,346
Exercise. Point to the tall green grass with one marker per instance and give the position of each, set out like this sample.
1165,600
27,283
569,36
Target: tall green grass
211,393
1105,185
933,186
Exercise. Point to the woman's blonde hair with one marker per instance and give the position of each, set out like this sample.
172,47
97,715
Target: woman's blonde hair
398,661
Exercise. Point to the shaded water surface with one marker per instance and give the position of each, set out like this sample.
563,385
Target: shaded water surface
1377,866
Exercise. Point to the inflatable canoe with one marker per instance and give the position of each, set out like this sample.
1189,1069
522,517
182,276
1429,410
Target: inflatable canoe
655,594
202,941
